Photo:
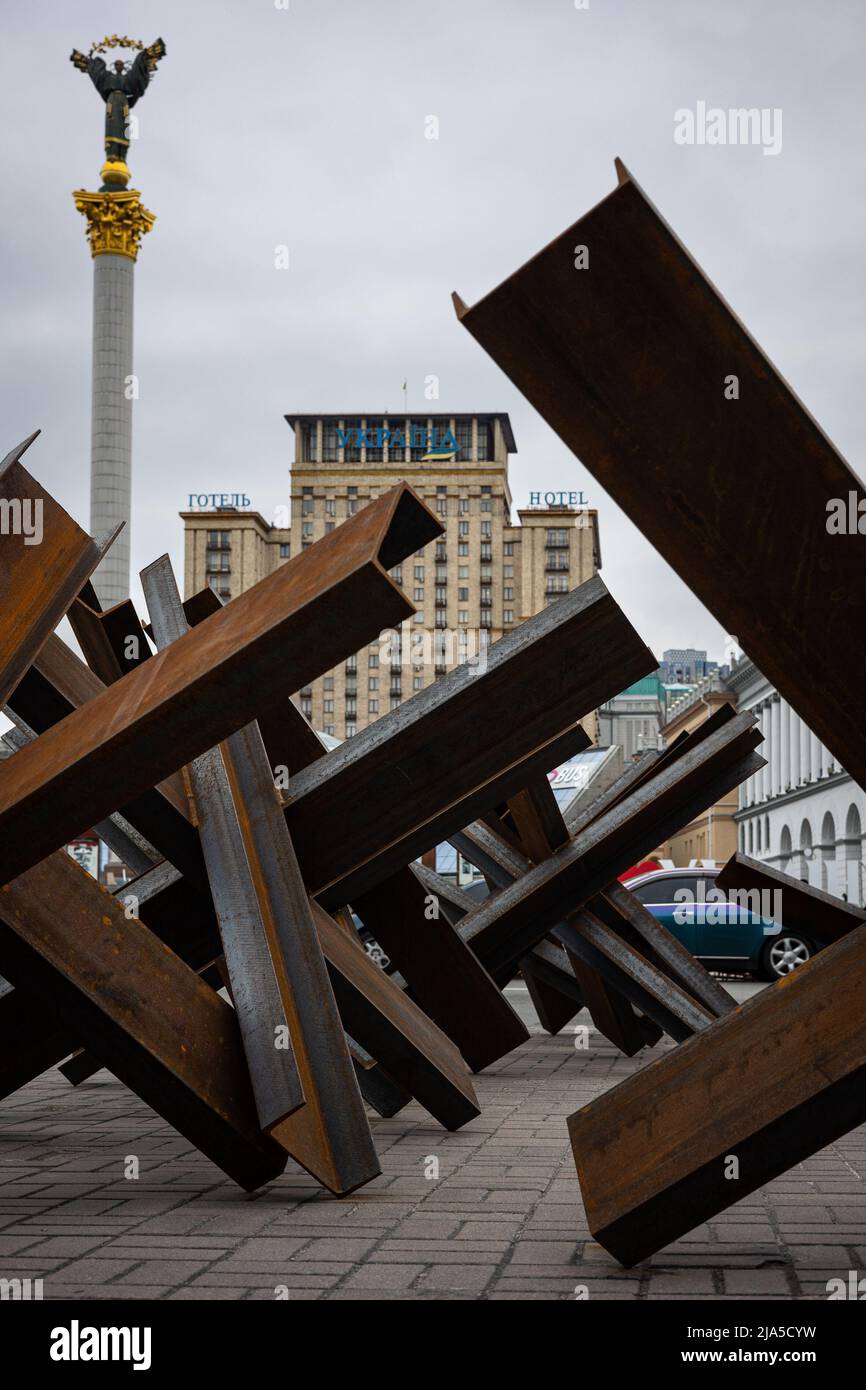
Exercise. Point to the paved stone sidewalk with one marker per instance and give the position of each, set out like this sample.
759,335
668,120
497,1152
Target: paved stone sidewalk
503,1220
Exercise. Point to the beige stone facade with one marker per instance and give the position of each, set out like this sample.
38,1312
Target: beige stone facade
713,834
482,578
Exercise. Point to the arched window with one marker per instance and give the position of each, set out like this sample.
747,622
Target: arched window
854,855
766,834
805,850
785,847
853,834
828,837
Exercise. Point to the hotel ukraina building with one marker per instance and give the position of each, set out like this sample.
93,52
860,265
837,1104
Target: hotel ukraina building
483,577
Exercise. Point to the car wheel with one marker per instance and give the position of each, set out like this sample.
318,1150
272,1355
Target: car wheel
784,953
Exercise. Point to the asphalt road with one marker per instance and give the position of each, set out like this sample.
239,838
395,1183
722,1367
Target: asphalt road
518,997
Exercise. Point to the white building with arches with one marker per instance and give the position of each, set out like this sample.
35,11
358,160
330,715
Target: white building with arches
802,813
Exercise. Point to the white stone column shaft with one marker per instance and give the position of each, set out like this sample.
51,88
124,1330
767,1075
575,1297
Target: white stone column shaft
111,421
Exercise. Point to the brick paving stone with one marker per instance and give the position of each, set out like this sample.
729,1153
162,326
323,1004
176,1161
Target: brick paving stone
504,1220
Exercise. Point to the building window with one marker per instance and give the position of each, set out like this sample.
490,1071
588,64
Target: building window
351,664
486,619
373,659
374,434
508,571
485,441
417,682
351,730
463,595
508,615
328,707
462,571
328,683
418,440
329,441
441,552
463,435
486,504
330,506
373,683
418,595
395,701
311,441
372,706
307,528
219,540
418,618
463,507
351,451
508,594
464,528
487,552
487,528
508,548
556,536
329,526
463,617
463,548
441,506
307,708
419,571
285,550
397,574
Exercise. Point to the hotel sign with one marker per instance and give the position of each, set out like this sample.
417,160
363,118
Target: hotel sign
558,499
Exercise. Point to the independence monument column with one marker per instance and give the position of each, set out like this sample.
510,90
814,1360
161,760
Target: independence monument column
116,222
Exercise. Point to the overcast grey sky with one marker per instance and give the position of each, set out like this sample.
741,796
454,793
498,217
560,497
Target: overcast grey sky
305,127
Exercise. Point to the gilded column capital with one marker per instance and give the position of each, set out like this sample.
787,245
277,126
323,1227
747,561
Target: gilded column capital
116,222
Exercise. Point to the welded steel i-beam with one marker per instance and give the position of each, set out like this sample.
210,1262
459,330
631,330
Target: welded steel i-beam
642,369
277,973
770,1084
68,944
45,558
423,771
212,681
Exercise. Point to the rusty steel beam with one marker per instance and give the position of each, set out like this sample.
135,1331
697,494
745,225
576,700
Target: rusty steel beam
181,918
552,985
44,560
507,925
391,1027
621,910
590,942
260,1000
455,748
135,1005
805,908
629,363
330,1135
445,977
213,680
113,642
770,1084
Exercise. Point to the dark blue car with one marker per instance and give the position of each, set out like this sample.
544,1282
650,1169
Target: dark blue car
726,936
